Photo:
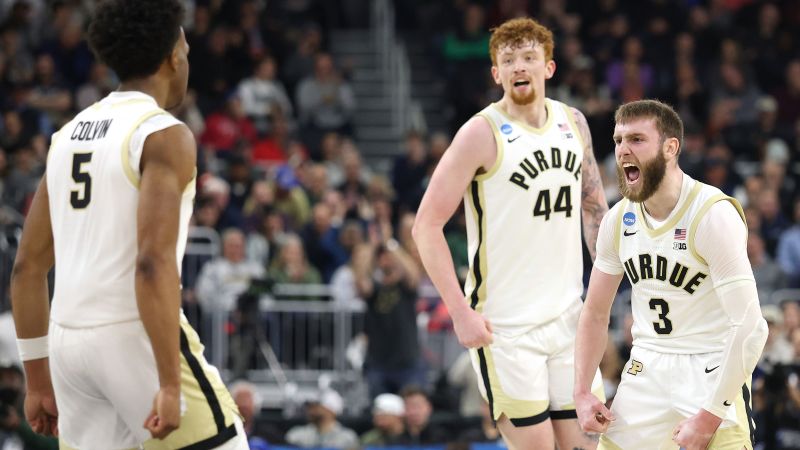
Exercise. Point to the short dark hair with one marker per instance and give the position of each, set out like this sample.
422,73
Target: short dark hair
134,37
668,122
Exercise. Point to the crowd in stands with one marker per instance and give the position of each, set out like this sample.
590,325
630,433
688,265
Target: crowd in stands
282,181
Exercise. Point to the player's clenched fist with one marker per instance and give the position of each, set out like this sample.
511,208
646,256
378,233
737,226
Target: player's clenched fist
472,329
166,414
593,416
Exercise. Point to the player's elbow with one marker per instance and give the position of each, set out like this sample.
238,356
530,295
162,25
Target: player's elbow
25,267
421,228
149,265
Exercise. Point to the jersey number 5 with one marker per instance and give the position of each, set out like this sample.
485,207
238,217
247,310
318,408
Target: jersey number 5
563,203
662,307
80,199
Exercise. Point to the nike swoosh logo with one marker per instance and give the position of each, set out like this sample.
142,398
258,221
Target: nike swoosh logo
711,369
510,140
726,403
626,233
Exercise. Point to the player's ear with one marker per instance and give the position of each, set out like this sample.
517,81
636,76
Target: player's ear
549,69
671,147
496,75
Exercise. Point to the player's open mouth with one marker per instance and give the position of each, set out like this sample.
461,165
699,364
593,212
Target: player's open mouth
519,83
631,173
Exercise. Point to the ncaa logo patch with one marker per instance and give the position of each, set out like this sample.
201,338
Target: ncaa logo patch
629,219
506,129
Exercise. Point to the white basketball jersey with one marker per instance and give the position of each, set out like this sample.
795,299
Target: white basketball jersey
675,307
92,181
524,222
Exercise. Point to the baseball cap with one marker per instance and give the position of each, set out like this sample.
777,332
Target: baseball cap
331,400
388,404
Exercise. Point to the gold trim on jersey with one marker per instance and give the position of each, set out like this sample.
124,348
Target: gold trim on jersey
498,139
701,213
126,146
542,130
133,100
574,124
478,266
675,218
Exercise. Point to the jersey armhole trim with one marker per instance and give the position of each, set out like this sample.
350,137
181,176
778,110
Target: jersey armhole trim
500,149
701,213
132,176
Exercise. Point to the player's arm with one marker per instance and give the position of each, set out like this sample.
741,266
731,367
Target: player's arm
31,309
593,198
473,148
167,166
592,333
721,239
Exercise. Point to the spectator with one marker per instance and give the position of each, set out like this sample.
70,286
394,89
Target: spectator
263,96
323,430
769,276
224,278
224,129
343,282
389,287
325,102
290,198
388,411
409,171
292,265
321,239
249,401
789,249
419,429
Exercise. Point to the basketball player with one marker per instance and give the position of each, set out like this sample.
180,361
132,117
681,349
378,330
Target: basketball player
697,325
526,171
112,213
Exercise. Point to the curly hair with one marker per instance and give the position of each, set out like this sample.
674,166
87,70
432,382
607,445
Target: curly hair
133,37
516,32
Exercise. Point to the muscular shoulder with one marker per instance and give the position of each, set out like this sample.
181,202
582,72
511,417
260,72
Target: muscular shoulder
475,142
173,147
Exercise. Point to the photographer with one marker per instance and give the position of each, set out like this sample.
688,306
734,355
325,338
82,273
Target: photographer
15,433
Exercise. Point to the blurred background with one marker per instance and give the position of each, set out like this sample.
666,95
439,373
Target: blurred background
318,125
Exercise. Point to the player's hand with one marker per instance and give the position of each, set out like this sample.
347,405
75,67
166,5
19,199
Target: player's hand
166,414
472,329
696,432
41,411
593,416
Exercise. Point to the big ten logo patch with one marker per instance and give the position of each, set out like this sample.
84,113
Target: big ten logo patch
635,367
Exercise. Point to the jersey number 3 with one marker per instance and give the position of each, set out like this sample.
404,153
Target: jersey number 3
662,307
80,199
563,203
